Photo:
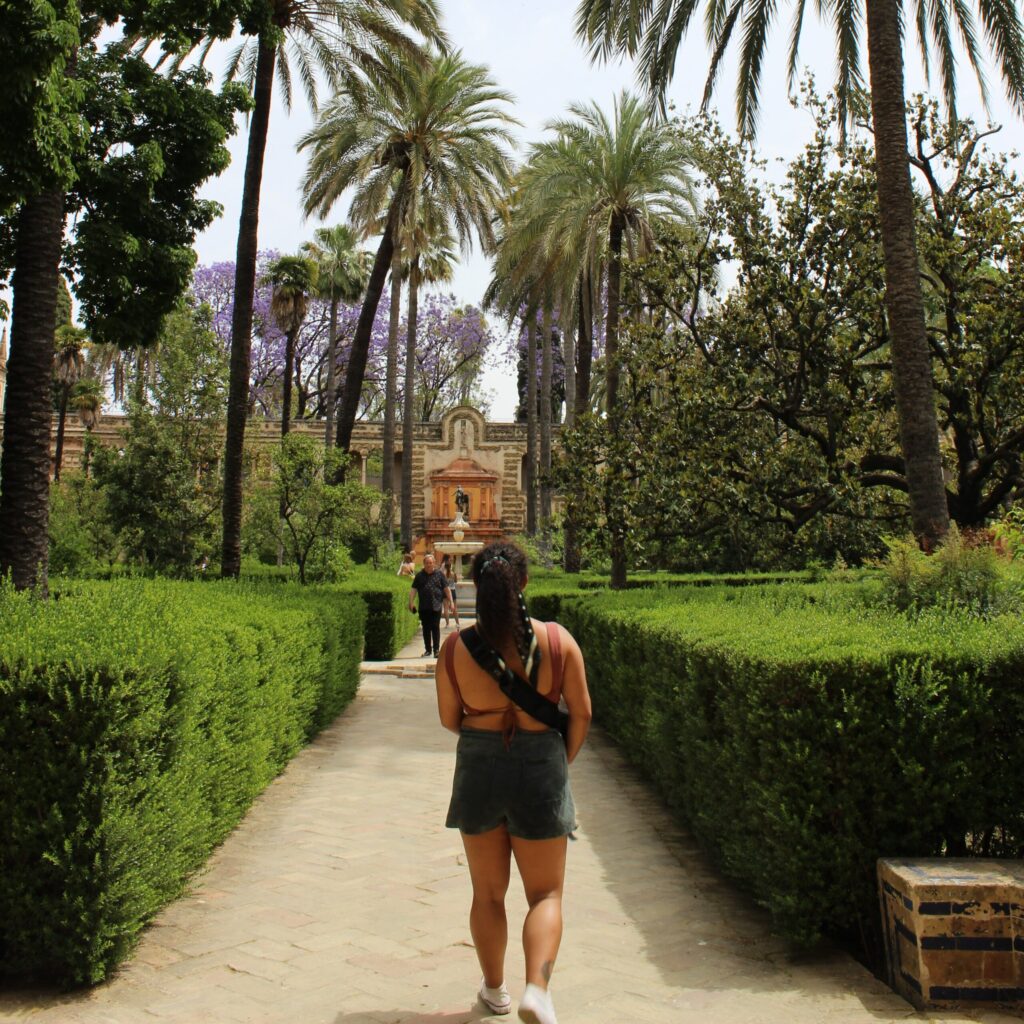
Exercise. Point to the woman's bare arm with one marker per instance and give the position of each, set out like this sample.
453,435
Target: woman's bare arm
449,707
576,694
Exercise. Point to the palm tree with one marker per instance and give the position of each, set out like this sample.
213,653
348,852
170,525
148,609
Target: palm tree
600,187
438,130
432,261
343,40
86,400
292,278
68,367
654,32
342,272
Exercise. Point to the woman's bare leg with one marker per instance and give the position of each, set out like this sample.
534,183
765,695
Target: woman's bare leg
541,865
489,866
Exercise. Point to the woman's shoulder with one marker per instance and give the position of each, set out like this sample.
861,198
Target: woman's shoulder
566,639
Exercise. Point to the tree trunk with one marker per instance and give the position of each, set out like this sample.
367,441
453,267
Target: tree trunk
241,315
585,349
62,416
28,410
569,363
545,420
387,471
616,527
911,361
408,409
356,369
332,385
531,423
387,477
289,373
577,399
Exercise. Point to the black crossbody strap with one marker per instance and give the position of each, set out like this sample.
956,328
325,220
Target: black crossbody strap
516,689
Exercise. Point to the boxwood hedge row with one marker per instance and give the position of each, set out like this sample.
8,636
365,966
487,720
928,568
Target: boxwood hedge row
138,721
389,626
802,733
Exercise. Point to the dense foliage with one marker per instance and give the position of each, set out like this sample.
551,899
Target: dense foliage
802,732
162,488
143,756
761,428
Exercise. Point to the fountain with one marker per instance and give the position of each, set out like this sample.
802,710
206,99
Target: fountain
458,545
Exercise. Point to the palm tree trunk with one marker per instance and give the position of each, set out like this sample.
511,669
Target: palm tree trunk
241,314
577,398
616,527
531,423
28,411
387,476
356,370
387,472
545,420
332,380
911,361
62,416
409,404
569,364
585,348
289,373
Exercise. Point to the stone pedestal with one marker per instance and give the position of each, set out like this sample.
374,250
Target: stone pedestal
954,931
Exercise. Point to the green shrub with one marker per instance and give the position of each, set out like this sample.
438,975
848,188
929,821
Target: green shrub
124,763
960,574
803,733
389,626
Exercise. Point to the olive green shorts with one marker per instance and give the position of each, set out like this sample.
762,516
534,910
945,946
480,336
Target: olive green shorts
524,786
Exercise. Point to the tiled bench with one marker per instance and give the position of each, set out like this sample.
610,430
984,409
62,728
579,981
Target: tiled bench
954,931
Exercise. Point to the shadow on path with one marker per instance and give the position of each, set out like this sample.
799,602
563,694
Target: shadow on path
705,938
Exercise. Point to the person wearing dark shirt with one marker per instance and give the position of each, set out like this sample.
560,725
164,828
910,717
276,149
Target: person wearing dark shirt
432,587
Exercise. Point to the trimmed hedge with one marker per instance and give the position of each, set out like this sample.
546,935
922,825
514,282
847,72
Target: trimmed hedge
389,626
138,721
803,732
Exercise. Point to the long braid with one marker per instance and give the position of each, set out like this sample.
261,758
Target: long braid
499,571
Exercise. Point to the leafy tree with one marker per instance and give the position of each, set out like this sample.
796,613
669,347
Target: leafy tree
82,540
163,488
760,428
654,32
309,516
339,39
131,182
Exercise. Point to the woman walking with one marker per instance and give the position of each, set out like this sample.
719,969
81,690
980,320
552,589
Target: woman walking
452,608
511,794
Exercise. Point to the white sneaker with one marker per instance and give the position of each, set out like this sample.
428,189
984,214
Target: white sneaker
497,1000
536,1007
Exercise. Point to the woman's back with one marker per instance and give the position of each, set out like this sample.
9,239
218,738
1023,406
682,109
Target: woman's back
486,707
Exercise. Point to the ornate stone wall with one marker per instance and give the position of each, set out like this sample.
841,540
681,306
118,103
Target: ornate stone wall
498,448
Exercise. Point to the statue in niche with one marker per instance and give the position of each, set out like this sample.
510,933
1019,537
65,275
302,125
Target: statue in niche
465,444
462,502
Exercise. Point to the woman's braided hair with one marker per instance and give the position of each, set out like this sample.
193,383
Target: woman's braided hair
499,572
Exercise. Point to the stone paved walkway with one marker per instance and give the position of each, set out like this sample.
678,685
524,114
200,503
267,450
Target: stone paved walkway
342,900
